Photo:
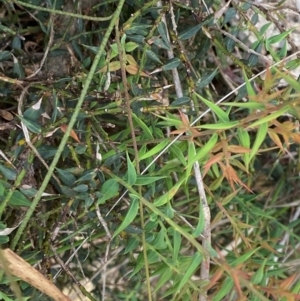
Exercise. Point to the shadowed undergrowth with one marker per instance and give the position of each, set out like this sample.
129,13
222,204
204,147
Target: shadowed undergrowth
149,150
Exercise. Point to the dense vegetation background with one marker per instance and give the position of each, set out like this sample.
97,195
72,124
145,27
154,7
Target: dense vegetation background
149,150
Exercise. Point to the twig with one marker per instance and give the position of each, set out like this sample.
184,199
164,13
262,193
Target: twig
245,47
66,269
104,225
136,153
46,50
61,12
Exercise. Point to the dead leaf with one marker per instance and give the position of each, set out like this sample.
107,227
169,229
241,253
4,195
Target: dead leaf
131,61
232,177
113,66
6,115
237,149
275,138
7,231
64,127
131,69
214,159
49,134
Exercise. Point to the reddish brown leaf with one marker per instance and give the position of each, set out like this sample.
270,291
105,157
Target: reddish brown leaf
237,149
287,283
232,177
64,127
214,159
275,138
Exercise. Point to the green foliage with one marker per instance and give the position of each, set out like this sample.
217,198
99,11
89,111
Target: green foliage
108,151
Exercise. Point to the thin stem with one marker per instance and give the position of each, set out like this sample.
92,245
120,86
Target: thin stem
59,12
122,56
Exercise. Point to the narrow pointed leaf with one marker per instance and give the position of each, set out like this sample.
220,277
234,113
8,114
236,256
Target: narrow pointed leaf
171,64
216,109
195,262
8,173
66,177
155,150
33,127
108,190
18,199
131,172
130,216
163,33
260,137
206,79
201,222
